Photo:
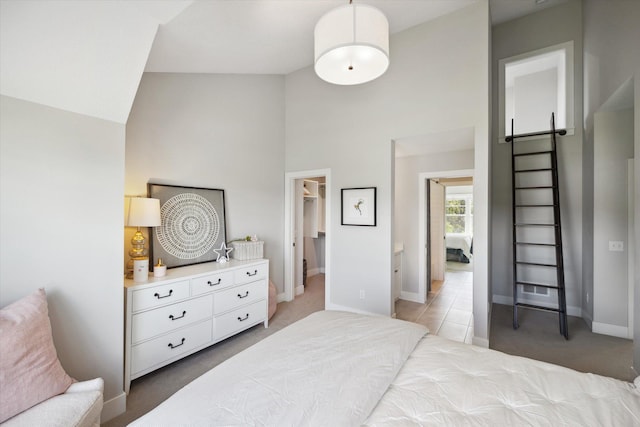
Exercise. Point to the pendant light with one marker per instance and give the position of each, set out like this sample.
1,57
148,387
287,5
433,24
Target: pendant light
351,44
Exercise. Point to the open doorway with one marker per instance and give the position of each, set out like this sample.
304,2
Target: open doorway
445,242
444,213
307,241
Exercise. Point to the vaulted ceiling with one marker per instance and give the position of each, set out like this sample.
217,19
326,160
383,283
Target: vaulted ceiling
88,56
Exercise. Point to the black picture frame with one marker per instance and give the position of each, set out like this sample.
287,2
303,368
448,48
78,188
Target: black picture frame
359,206
193,224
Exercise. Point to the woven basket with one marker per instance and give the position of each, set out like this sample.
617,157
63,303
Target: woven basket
243,251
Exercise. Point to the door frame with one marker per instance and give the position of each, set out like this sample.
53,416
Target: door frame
290,179
422,223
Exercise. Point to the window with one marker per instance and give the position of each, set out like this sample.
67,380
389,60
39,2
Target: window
459,214
532,86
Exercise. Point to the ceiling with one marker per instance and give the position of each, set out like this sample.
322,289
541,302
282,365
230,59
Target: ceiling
88,56
276,36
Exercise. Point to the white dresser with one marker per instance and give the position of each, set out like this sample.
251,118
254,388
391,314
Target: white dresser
193,307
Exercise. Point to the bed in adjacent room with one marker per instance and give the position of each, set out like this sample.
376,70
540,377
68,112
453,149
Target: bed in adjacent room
345,369
459,247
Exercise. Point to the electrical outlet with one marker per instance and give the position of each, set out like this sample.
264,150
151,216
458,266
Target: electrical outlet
361,293
616,246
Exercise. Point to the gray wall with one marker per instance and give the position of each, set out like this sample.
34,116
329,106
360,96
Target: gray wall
546,28
437,81
407,171
61,180
612,55
215,131
613,146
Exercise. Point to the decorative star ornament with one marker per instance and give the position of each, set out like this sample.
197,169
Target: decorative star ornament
223,253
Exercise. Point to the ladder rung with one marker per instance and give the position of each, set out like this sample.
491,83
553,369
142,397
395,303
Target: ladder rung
540,285
533,153
524,224
539,187
535,206
536,264
539,307
534,170
537,244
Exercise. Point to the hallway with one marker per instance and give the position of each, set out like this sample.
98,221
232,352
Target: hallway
449,309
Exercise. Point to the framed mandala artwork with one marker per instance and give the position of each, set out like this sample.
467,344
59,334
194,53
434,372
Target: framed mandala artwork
192,224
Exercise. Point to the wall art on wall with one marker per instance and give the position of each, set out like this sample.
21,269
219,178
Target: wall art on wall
192,224
359,206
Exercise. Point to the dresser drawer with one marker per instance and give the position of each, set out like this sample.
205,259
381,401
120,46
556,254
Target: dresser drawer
160,295
237,296
165,319
237,320
210,283
156,351
251,273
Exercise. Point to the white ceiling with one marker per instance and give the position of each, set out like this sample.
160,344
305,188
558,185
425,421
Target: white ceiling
264,36
276,36
88,56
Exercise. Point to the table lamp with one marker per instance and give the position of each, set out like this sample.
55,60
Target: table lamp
143,212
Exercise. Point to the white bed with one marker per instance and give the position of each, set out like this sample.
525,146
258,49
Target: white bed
344,369
460,242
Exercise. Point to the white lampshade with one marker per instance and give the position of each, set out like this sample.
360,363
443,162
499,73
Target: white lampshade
143,212
352,45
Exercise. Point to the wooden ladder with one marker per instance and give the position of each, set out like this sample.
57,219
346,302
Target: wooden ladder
537,233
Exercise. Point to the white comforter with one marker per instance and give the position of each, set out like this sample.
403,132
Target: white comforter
329,369
445,383
342,369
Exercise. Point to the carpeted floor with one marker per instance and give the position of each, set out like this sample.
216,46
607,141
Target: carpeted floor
149,391
538,337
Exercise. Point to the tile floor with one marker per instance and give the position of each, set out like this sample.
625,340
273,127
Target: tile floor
449,308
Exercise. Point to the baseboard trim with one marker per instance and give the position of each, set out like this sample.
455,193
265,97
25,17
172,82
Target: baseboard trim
114,407
611,330
313,272
508,300
282,297
299,289
350,309
480,342
411,296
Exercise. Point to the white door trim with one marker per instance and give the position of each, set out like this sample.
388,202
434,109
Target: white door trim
422,218
631,245
289,224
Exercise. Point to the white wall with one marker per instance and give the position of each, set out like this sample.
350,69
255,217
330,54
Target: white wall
546,28
61,180
407,171
612,55
613,146
215,131
437,81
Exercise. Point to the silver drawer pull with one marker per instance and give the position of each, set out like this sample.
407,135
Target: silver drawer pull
252,274
177,345
242,319
157,295
172,317
210,283
246,294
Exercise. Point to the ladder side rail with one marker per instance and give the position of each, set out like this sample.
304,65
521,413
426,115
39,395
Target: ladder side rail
514,231
562,303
